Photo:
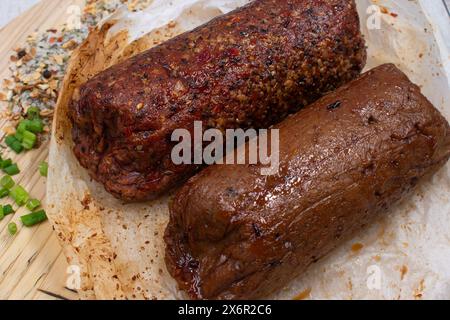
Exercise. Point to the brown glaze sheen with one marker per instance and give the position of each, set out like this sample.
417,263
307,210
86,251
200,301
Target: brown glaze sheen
236,234
249,68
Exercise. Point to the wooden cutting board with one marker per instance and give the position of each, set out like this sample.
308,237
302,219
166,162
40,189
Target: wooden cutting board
32,265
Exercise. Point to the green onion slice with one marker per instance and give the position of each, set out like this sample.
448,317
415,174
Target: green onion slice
12,228
12,142
43,168
4,193
19,195
5,163
12,169
33,204
23,126
36,126
29,140
34,218
7,182
8,209
33,112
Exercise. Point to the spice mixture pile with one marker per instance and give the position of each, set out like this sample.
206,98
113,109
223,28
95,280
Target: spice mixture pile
37,68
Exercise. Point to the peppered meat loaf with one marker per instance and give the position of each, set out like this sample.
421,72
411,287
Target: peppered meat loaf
249,68
235,234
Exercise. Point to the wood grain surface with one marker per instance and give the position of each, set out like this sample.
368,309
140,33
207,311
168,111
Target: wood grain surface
10,9
32,265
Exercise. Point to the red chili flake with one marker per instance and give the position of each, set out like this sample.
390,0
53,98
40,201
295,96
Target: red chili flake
234,52
127,131
394,14
60,39
52,40
236,19
217,109
204,56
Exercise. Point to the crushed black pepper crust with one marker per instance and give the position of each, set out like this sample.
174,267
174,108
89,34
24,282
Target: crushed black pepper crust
249,68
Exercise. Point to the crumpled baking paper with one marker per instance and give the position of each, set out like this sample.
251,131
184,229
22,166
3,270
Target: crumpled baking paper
118,248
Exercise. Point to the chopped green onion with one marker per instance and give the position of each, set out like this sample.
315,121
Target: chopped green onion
12,169
12,228
9,140
2,215
17,147
7,182
33,204
4,193
19,137
19,195
29,140
12,142
33,112
7,209
23,126
43,168
35,126
5,163
34,218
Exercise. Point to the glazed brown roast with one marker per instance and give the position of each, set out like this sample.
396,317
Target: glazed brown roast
249,68
236,234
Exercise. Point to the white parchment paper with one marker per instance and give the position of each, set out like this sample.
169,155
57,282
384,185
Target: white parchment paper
405,255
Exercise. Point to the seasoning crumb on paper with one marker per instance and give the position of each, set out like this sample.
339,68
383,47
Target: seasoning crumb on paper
385,10
403,272
305,294
357,247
